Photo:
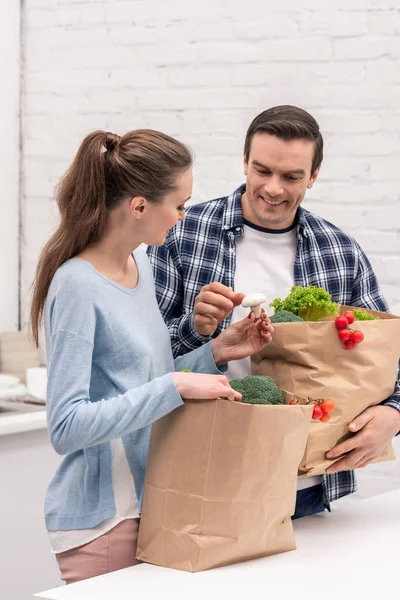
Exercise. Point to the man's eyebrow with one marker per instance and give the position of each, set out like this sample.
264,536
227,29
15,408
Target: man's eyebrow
292,172
295,172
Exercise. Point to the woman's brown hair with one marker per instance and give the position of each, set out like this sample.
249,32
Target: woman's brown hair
107,170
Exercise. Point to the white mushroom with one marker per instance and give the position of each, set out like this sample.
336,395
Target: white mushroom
254,301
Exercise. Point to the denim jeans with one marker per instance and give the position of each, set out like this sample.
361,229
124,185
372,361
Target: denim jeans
309,502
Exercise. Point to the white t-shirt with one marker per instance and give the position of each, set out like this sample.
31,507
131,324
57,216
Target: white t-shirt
125,500
265,264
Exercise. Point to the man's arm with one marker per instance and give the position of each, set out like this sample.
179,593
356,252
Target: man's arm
167,270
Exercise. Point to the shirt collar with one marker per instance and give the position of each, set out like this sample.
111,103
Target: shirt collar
233,218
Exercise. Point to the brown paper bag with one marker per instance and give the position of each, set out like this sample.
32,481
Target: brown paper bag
309,358
221,483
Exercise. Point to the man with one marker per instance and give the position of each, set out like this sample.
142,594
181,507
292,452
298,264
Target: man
260,239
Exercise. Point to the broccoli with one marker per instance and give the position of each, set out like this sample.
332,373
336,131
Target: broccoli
257,389
284,316
362,315
310,303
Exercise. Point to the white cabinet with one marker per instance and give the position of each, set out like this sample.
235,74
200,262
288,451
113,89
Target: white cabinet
27,463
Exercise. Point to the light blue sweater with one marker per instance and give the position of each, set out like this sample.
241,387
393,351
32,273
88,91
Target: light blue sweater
109,364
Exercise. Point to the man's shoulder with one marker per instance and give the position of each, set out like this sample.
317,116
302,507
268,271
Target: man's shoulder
209,207
320,228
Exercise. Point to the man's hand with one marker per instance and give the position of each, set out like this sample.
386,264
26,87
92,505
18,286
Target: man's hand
213,304
376,427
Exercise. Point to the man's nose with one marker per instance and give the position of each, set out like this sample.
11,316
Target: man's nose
273,187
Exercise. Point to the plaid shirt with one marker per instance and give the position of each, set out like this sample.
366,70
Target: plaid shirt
202,249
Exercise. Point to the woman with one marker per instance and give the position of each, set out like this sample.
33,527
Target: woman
110,368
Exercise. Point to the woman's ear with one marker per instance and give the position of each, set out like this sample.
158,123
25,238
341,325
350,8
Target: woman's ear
138,206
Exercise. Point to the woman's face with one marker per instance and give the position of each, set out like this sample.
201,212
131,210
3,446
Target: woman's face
159,218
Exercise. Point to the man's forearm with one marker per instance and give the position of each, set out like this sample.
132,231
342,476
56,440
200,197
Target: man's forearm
184,337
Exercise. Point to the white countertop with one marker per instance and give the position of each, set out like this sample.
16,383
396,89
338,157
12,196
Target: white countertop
349,554
19,422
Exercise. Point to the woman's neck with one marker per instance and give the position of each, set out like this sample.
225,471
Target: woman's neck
112,257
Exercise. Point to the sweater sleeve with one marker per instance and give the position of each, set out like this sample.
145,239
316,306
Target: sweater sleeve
74,421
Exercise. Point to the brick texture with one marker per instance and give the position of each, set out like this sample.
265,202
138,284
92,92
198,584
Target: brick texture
201,72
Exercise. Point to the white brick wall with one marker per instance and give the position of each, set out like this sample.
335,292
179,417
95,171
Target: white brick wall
201,71
9,164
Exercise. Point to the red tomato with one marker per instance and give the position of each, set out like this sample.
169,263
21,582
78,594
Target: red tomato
325,418
349,316
350,344
341,322
357,336
294,401
327,406
317,412
344,334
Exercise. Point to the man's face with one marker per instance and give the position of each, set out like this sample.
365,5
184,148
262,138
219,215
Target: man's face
278,174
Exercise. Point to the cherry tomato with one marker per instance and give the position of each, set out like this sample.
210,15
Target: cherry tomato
294,401
317,412
344,334
349,344
357,336
341,322
349,316
327,406
325,418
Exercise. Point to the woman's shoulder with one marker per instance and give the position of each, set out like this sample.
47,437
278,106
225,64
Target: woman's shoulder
74,277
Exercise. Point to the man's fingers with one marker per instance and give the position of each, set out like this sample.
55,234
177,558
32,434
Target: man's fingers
220,289
349,462
209,310
344,447
216,300
237,299
362,420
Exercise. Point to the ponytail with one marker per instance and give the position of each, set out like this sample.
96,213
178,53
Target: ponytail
81,199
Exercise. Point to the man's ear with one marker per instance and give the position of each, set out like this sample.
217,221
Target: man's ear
138,206
313,177
245,164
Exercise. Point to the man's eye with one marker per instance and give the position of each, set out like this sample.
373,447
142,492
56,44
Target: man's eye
181,208
290,178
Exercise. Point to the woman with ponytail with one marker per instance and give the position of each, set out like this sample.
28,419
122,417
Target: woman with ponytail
111,372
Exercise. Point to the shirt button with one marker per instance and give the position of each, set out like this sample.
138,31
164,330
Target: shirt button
237,228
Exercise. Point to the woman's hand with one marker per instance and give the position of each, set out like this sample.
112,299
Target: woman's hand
242,339
199,386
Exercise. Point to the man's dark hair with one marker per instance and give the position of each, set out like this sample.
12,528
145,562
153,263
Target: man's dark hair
287,123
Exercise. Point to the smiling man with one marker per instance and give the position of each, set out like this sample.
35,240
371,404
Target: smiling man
260,239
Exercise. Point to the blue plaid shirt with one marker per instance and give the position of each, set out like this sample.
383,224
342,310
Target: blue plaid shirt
201,249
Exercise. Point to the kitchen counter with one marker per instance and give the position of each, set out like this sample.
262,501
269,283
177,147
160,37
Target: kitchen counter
348,554
18,417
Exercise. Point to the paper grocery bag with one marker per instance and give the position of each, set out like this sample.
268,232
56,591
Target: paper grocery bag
309,359
221,483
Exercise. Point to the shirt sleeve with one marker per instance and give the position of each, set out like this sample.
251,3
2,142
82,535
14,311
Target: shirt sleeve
74,421
167,271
